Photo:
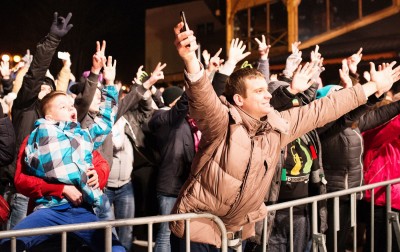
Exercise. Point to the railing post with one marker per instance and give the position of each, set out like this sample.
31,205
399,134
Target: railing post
187,235
336,222
353,218
150,237
64,242
394,219
388,222
108,239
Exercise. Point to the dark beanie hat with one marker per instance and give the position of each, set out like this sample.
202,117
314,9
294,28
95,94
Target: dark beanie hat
48,81
171,94
77,88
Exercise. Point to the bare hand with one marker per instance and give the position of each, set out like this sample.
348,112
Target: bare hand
99,59
384,77
72,194
109,71
263,48
215,62
353,61
344,75
5,69
156,75
93,180
206,56
236,51
185,43
301,78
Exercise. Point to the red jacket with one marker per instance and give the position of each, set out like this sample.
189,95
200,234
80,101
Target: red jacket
381,160
34,187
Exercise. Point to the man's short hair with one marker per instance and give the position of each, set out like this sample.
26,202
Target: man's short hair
236,82
47,99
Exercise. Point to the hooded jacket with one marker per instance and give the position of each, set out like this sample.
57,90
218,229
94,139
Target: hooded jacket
382,145
233,169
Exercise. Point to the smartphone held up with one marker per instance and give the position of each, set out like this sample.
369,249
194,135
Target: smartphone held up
183,19
186,27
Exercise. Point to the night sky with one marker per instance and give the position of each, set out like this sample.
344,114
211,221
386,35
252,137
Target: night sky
120,22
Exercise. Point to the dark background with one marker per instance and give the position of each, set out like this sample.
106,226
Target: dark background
120,22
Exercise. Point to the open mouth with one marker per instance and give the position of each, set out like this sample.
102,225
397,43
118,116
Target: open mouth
73,117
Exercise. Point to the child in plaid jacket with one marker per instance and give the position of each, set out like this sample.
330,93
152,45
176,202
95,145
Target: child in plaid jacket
59,150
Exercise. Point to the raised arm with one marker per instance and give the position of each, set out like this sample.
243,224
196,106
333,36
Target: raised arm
204,105
64,74
327,109
136,95
45,50
379,116
108,108
263,50
7,139
84,98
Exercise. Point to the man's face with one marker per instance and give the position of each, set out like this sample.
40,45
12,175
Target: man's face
62,109
44,90
256,103
95,105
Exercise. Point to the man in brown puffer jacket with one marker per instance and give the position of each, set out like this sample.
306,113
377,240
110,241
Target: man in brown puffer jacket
241,140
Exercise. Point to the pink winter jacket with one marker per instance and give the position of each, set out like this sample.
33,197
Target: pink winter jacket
381,160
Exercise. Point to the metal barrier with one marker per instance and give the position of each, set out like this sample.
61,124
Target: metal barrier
108,225
318,239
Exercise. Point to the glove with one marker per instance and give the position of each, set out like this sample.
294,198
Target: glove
60,25
292,62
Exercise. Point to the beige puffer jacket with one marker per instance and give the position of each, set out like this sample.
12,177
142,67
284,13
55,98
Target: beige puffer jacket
233,169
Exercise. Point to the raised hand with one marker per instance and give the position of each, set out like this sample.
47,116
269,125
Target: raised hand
60,26
185,43
344,75
206,56
109,71
67,61
293,61
353,61
215,62
315,55
295,47
140,74
99,59
156,75
301,78
27,58
263,48
384,77
236,51
5,69
317,61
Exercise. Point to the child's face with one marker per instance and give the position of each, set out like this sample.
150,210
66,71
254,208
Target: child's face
62,109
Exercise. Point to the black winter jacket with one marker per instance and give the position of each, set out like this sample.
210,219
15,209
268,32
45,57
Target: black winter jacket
174,139
7,141
25,110
342,144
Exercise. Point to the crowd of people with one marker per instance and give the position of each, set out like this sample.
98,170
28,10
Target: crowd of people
233,140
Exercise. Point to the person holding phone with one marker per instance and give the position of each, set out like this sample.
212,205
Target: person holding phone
242,135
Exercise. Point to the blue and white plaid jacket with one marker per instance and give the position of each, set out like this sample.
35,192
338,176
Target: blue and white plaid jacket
61,152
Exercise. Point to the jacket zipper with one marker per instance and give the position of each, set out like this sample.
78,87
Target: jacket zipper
240,196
